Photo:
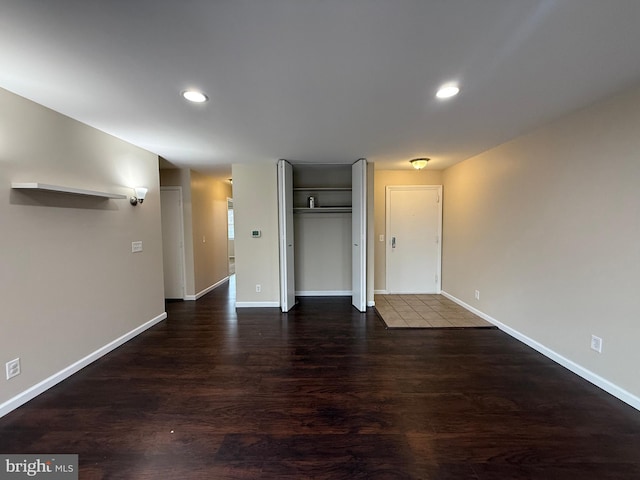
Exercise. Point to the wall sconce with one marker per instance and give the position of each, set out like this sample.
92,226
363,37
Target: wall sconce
140,194
419,163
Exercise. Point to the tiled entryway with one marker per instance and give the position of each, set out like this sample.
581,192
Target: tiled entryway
425,311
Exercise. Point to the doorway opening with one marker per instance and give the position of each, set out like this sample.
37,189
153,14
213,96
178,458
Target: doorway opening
231,235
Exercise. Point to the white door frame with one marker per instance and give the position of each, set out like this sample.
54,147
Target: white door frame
230,201
182,252
359,234
388,233
286,237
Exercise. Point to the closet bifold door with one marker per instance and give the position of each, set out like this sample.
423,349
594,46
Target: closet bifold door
285,230
359,234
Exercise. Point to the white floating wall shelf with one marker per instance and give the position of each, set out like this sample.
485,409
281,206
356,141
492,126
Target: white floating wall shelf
59,189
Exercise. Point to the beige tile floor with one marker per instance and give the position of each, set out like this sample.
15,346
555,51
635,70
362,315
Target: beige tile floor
425,311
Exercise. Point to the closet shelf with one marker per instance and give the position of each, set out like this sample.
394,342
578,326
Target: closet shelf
321,209
60,189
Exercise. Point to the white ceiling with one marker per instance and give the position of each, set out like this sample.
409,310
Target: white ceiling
317,80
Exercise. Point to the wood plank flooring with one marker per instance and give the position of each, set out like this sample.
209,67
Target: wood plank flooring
325,392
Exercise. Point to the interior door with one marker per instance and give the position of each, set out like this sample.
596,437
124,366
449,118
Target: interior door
359,234
285,227
413,253
172,242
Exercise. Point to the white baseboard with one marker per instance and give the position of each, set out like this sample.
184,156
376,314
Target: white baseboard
371,303
579,370
386,292
206,290
323,293
56,378
257,304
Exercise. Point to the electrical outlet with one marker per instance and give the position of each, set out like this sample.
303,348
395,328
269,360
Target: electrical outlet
596,343
136,247
13,368
477,294
258,288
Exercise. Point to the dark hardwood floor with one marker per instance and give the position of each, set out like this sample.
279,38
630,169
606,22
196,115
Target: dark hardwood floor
325,392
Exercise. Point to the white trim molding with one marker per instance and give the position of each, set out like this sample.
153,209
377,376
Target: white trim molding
595,379
65,373
206,290
323,293
257,304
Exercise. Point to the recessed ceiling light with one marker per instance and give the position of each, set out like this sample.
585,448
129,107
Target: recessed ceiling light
195,96
447,91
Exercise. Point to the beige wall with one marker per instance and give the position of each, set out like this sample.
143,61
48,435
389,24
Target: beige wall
547,228
382,179
255,203
322,253
209,209
69,283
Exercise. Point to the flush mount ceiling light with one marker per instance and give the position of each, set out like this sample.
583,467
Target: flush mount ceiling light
447,91
194,96
419,163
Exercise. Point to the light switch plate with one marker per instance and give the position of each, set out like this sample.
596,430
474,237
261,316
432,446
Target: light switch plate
136,247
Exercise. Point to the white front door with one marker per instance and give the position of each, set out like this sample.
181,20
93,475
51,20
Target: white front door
413,238
359,234
172,241
285,227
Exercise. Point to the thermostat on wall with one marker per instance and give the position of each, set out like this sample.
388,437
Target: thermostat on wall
256,233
